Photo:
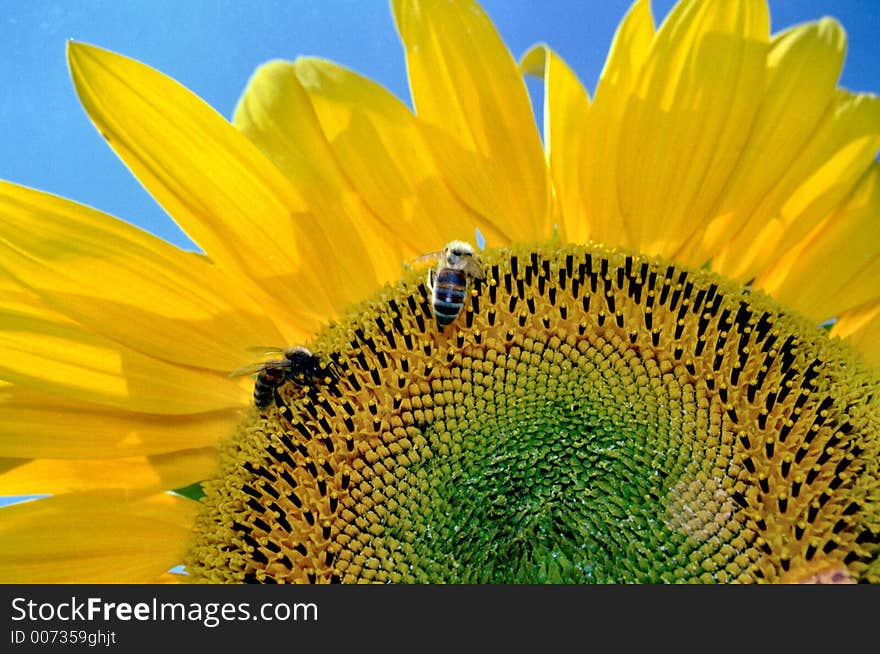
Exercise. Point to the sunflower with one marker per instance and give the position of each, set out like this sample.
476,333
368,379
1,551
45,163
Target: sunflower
662,367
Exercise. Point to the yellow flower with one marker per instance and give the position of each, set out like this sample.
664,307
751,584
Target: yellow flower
716,158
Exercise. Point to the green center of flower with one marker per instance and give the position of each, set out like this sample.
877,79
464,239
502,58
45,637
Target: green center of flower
589,416
562,476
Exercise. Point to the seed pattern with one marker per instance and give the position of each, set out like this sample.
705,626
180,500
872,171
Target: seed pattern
590,416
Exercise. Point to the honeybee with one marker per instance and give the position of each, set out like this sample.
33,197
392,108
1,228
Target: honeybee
299,366
448,279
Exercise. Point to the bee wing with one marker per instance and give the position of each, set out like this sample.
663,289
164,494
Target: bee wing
430,256
250,369
257,366
264,350
473,268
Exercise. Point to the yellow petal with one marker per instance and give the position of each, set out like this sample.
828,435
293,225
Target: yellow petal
216,185
380,147
465,83
816,182
688,119
604,122
810,144
566,106
127,284
803,65
61,428
97,537
861,327
802,68
837,266
276,114
49,352
154,473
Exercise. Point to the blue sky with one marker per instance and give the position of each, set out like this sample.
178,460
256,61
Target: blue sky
212,48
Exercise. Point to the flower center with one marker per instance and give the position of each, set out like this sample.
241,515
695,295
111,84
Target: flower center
589,416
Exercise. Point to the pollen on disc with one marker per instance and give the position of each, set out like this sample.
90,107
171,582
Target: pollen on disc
590,416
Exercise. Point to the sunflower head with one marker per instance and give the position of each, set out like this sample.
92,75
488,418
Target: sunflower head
592,416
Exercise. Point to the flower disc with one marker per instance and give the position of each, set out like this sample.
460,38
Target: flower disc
590,416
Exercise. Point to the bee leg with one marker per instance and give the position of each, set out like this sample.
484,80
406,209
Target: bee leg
429,282
334,367
282,406
330,373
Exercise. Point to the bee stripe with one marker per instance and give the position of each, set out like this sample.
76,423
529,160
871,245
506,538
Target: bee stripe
449,293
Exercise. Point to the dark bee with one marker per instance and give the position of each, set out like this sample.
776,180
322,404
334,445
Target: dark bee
448,280
298,366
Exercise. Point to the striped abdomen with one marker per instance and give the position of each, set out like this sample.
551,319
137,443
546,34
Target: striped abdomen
266,386
450,286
